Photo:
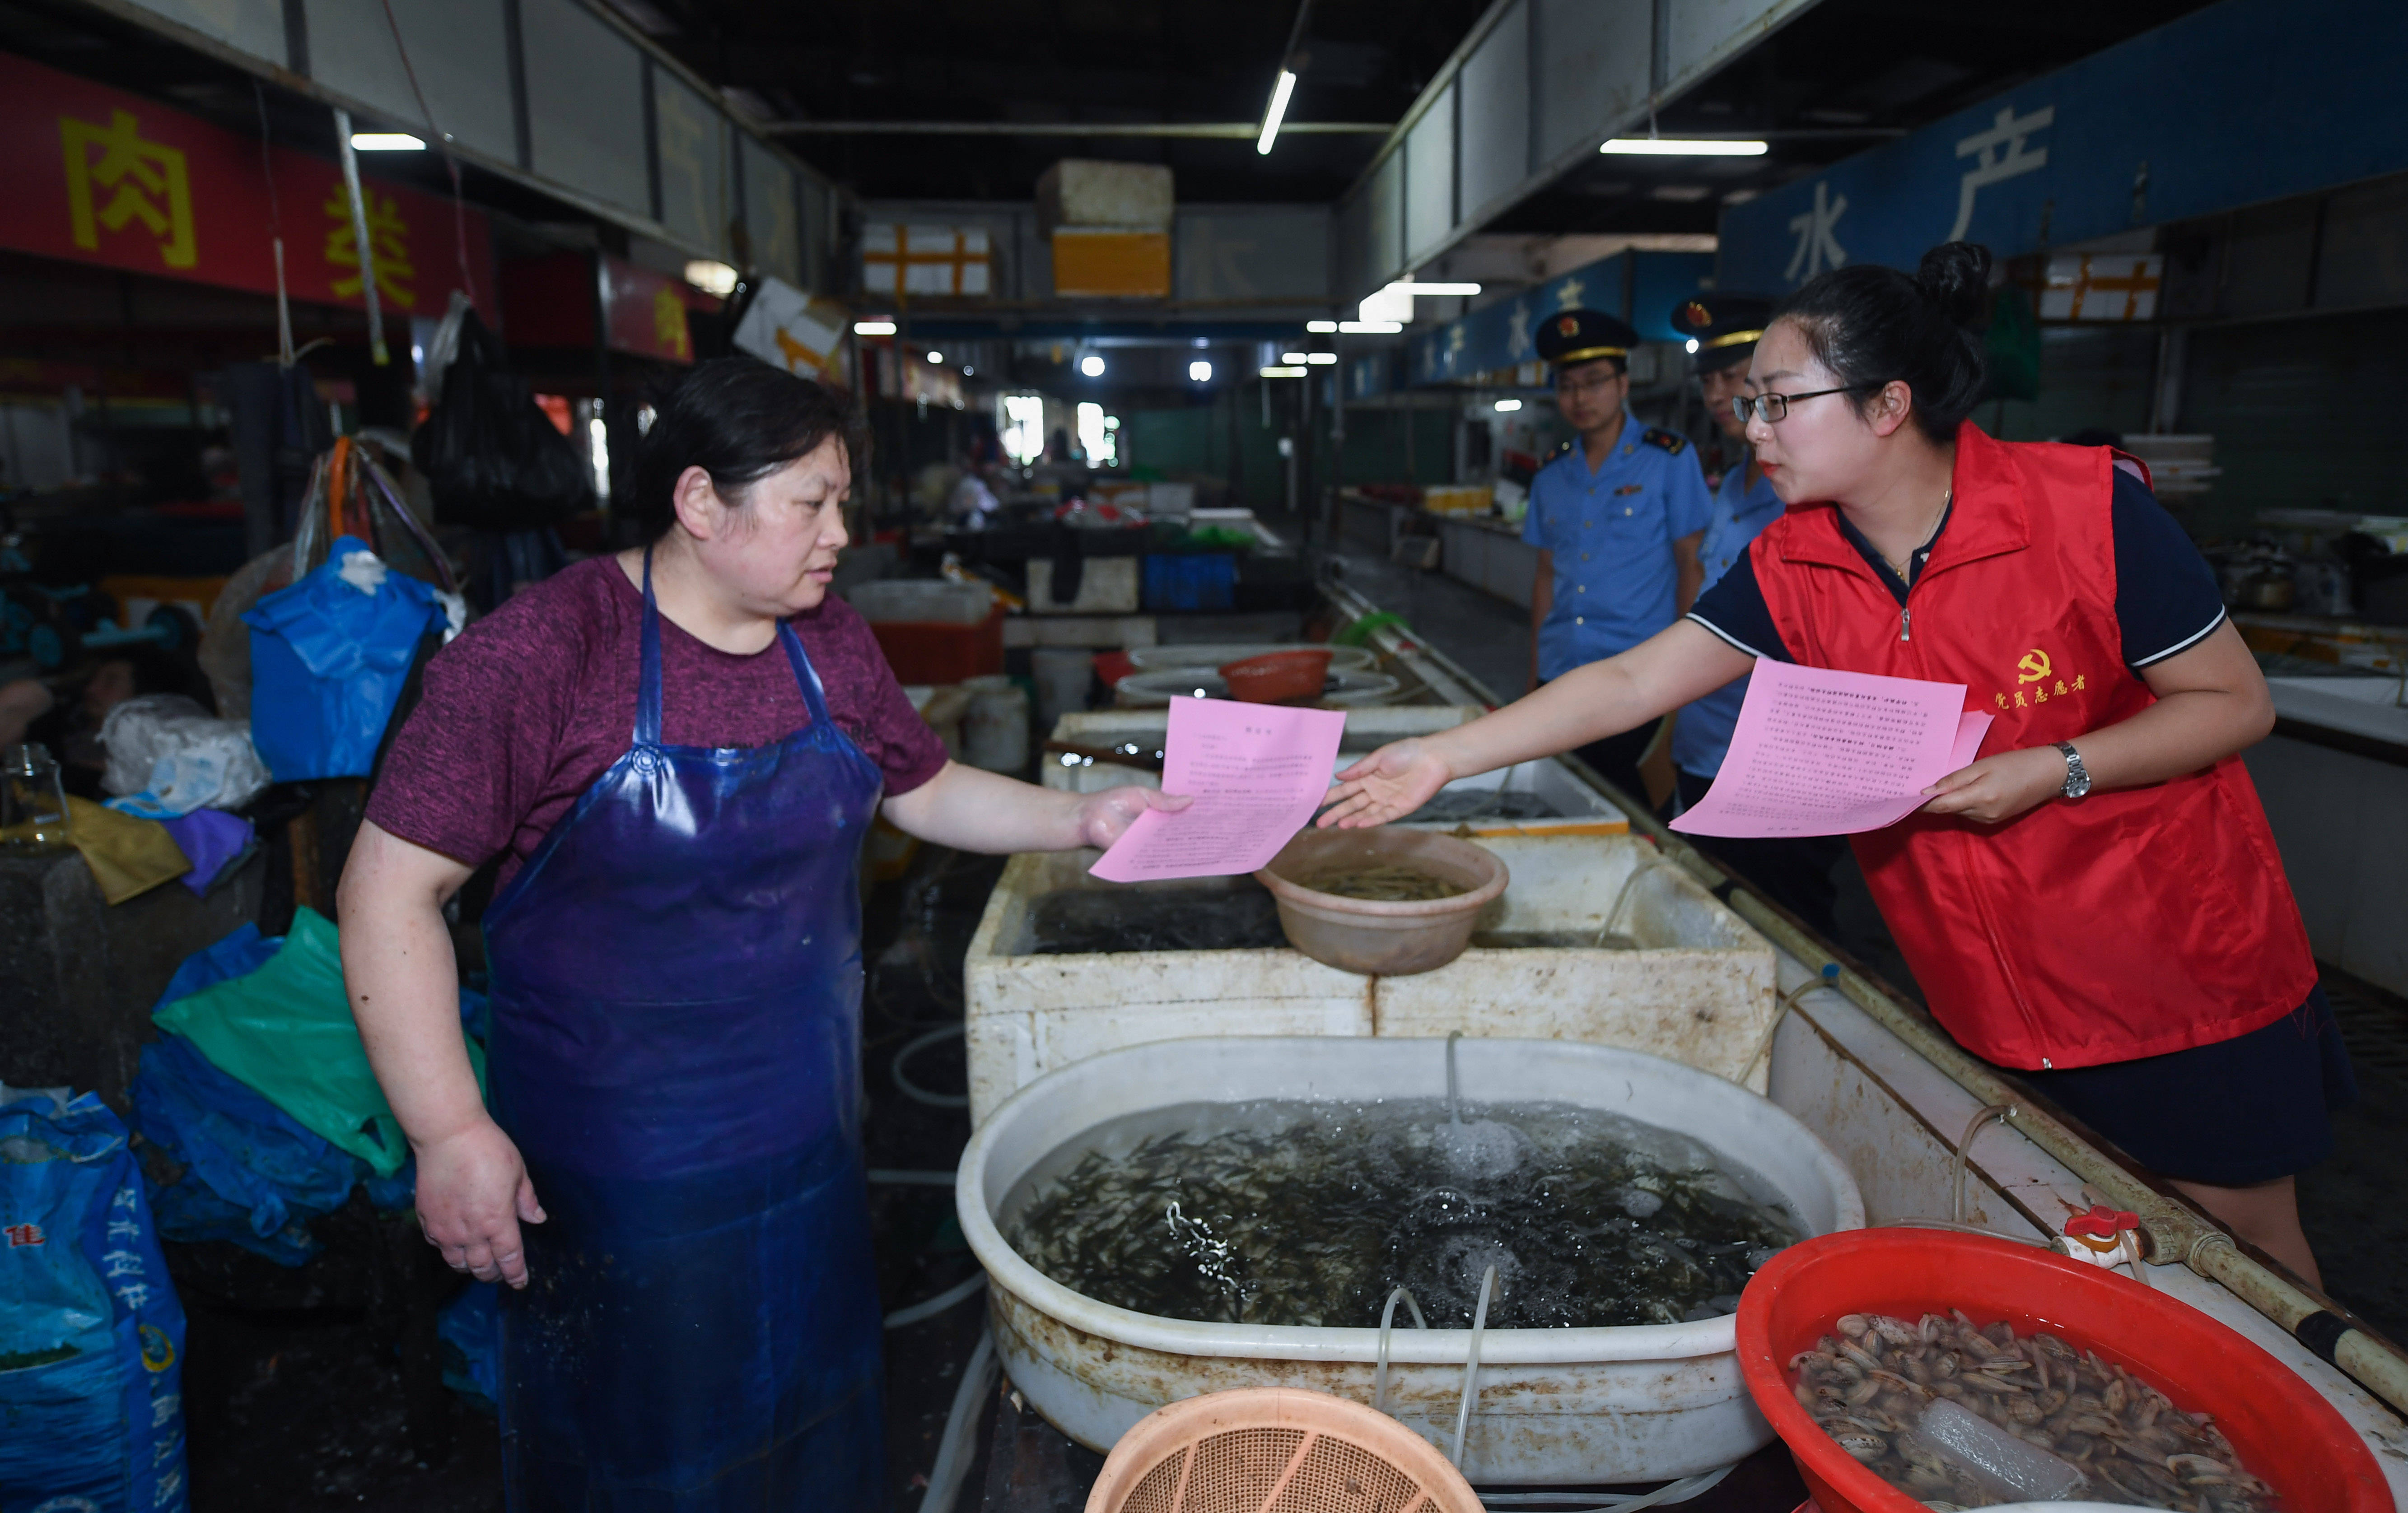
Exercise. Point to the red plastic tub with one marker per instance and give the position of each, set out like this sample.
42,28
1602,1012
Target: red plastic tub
1278,676
932,651
2283,1431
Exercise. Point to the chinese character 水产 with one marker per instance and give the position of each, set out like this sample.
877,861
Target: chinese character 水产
1991,165
1817,247
148,184
388,246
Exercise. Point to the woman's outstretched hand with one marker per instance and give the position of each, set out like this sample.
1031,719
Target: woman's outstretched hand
1105,817
1389,784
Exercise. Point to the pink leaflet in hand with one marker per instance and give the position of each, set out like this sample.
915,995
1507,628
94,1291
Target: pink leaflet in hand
1256,772
1818,752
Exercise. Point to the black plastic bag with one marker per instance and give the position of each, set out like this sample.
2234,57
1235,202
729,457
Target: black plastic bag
492,457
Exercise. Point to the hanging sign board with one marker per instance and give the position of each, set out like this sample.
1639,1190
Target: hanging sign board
2180,122
95,175
799,333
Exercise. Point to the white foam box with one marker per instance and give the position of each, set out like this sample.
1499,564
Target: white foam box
1699,987
1579,805
1107,586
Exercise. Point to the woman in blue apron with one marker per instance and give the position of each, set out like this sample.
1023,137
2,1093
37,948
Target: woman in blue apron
676,752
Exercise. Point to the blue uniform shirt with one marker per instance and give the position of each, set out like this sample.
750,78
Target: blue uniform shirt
1703,731
1612,534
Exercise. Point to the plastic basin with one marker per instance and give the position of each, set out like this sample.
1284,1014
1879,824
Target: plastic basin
2283,1432
1370,937
1277,677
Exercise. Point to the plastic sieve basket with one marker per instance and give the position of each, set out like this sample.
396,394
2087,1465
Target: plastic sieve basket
1257,1448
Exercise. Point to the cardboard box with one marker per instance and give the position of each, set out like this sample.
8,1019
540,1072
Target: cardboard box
1110,262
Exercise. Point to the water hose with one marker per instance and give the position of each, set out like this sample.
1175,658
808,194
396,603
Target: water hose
1965,1148
1388,1319
955,1450
913,1091
959,1292
1471,1362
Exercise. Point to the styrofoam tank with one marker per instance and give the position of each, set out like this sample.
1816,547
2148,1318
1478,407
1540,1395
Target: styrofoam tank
1555,1406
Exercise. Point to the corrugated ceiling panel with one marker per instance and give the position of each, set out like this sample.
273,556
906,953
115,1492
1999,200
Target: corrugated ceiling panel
698,176
1237,254
458,47
770,214
1430,175
585,102
1386,203
252,26
1495,120
1593,62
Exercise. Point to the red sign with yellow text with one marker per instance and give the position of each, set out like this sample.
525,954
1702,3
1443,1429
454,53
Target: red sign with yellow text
96,175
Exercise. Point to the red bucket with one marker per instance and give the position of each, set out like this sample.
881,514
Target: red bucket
2281,1430
1278,676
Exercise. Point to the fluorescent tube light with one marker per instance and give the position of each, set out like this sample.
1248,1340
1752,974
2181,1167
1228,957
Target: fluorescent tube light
1685,146
1279,92
1092,366
1507,407
386,142
1320,359
873,328
711,277
1410,286
1321,328
1294,359
937,357
1200,371
1371,328
1283,373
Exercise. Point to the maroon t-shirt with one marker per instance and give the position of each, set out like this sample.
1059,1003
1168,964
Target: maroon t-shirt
531,705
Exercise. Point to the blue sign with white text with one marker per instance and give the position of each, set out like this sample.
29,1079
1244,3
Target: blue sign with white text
1641,287
2243,102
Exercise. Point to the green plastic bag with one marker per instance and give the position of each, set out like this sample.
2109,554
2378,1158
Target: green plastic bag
286,1032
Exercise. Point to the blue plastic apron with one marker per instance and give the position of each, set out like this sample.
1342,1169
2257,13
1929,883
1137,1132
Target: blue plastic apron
676,1049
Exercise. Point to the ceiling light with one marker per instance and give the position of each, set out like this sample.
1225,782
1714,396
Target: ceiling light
968,370
936,357
1201,371
1283,373
1271,117
1414,286
1321,328
711,277
386,142
1693,344
1320,359
1294,358
1371,328
873,328
1507,407
1685,146
1092,366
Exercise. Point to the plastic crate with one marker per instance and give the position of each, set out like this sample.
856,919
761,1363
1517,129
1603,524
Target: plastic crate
922,651
1183,584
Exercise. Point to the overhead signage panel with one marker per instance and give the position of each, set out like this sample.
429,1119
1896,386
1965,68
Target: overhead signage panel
2244,101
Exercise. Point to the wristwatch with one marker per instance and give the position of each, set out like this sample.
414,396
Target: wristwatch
2077,776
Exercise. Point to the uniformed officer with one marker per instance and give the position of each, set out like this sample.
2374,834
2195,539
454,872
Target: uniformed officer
1616,516
1795,873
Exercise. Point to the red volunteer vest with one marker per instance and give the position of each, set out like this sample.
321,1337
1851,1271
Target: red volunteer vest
2104,929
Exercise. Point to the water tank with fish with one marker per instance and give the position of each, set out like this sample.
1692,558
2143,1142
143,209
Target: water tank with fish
1189,1216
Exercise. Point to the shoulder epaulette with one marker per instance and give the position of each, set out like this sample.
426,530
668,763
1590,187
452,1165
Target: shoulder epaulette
1672,441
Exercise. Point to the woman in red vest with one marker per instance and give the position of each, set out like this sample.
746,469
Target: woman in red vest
2099,904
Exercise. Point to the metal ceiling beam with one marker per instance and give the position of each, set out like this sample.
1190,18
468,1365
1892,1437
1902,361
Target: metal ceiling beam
1209,130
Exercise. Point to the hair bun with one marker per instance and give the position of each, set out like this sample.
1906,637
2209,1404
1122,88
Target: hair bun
1955,277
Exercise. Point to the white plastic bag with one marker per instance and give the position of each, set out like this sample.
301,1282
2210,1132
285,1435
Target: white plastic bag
168,756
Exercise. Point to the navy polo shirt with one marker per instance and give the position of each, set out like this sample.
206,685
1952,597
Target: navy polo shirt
1610,532
2167,600
1702,734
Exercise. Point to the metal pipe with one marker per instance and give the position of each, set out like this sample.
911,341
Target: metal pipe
360,242
1192,129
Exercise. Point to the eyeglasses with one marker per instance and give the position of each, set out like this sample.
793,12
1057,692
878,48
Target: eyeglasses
1775,408
1586,386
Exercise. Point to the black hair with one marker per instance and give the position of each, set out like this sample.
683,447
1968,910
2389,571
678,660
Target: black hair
739,420
1621,364
1872,326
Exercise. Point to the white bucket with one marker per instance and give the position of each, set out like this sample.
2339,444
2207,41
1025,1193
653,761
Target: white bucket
1557,1407
994,732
